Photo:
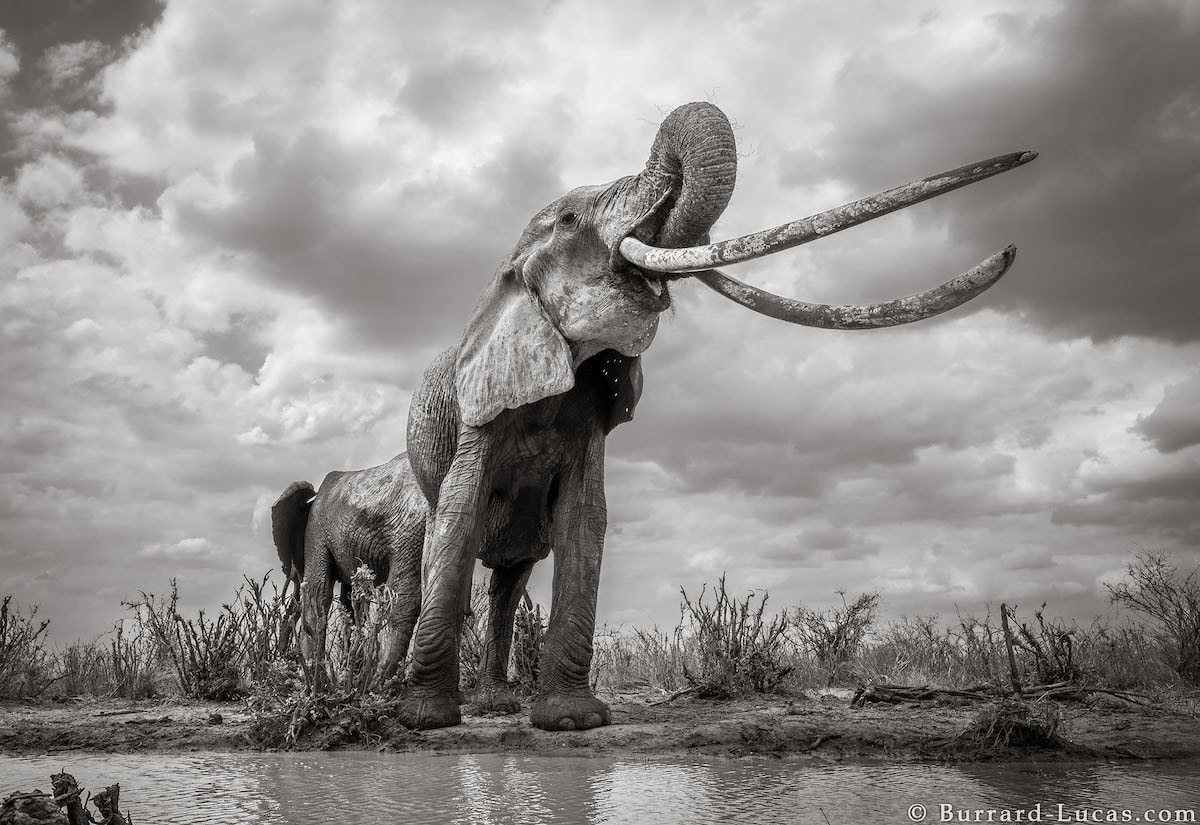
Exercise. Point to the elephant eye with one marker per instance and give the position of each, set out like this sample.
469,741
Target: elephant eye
568,219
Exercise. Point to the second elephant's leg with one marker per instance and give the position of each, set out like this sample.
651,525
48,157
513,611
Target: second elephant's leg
504,595
565,700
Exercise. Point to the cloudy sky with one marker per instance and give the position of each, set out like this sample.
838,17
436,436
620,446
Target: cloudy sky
233,233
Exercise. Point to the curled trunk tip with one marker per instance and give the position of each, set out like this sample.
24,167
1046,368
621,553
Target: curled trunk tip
694,155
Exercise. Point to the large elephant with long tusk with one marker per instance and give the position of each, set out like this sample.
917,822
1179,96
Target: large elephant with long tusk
508,427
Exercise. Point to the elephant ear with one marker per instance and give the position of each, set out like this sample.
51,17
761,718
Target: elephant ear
289,519
510,356
620,380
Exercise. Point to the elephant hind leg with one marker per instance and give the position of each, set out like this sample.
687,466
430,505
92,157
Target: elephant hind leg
504,594
315,603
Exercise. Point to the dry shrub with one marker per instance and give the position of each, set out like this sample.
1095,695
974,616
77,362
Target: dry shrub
1126,655
24,661
134,658
982,646
1156,588
836,636
205,653
529,635
1050,647
346,703
266,623
737,651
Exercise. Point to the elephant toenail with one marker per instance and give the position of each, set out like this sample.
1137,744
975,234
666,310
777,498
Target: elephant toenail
566,723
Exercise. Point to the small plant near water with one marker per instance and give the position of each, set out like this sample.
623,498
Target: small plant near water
737,650
345,704
1009,723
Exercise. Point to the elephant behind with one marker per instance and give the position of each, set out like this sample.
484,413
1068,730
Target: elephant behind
375,517
378,517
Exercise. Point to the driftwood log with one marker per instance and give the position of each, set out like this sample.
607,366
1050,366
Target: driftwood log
63,807
1059,691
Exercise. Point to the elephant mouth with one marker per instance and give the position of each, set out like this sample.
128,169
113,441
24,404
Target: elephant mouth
648,288
642,257
650,285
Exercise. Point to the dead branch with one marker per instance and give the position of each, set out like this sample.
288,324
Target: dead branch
677,694
1058,691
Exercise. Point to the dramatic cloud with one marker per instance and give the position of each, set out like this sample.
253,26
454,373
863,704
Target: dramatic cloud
232,235
1174,424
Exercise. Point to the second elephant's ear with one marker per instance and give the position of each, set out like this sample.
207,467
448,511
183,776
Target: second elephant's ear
510,355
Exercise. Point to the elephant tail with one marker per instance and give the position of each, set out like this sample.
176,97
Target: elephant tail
289,519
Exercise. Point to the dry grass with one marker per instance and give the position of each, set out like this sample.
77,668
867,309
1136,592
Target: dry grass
637,659
722,646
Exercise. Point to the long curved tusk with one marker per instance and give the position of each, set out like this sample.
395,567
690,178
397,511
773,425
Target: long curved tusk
888,314
760,244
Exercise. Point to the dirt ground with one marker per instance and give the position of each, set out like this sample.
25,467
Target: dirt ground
823,726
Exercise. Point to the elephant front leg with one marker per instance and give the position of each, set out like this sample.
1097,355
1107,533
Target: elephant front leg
504,594
565,700
431,698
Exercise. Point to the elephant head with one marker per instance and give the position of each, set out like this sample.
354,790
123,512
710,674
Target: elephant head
506,430
592,270
566,293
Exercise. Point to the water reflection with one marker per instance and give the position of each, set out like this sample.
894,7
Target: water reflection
494,788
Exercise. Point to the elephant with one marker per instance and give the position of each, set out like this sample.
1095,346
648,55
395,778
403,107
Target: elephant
375,517
508,426
378,517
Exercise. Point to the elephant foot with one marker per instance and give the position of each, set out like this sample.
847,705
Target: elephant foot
573,711
497,697
427,712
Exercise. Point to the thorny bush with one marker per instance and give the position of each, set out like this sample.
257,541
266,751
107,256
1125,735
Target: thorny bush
23,656
738,651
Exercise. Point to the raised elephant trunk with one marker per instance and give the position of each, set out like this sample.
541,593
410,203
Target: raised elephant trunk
693,163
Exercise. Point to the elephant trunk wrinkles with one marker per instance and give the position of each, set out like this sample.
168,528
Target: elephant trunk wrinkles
695,155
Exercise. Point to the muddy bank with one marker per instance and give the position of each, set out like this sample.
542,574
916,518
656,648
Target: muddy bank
822,726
